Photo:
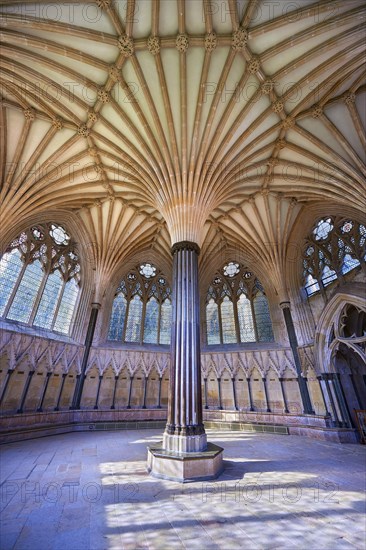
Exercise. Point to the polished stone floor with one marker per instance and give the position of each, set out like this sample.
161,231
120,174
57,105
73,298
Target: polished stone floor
90,490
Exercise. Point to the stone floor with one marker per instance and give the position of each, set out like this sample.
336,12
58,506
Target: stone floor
91,491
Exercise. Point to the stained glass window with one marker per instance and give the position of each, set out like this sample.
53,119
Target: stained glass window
10,267
213,324
245,317
236,307
263,318
117,318
67,306
151,321
335,247
26,295
39,278
49,300
228,321
133,327
141,311
165,322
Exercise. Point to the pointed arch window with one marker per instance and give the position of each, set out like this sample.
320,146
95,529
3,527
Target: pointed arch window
237,308
40,277
141,311
335,247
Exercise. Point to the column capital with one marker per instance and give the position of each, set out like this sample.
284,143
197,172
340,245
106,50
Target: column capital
96,305
185,245
285,305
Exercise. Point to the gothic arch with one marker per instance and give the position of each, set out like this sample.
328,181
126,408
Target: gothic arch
352,294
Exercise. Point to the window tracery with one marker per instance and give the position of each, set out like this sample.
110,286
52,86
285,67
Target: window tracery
335,247
39,278
141,311
236,308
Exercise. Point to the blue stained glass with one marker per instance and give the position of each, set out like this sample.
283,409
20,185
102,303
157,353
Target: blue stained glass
133,327
67,306
26,294
151,322
117,318
10,267
212,319
349,263
328,275
228,322
312,285
263,318
165,322
246,324
47,306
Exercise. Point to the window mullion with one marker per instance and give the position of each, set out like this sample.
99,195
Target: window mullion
143,315
236,320
126,319
39,296
58,303
15,289
159,322
220,323
254,319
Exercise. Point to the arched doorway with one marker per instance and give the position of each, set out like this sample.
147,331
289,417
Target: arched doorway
340,349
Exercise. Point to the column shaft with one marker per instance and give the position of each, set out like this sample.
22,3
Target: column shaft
88,342
332,404
5,386
185,399
159,395
327,413
342,400
250,395
293,343
234,394
40,406
206,402
283,396
98,391
116,378
25,391
145,390
64,375
130,393
219,392
264,380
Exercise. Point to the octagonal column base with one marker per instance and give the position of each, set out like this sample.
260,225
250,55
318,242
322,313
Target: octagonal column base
185,443
185,467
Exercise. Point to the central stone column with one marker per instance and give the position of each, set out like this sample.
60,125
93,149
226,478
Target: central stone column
184,454
185,431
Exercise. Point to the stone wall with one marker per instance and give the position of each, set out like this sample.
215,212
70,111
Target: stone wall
36,373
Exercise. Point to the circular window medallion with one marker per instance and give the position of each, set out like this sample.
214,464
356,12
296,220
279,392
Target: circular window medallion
59,235
147,270
322,229
346,227
231,269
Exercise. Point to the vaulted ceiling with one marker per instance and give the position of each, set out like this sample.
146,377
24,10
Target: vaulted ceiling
215,121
